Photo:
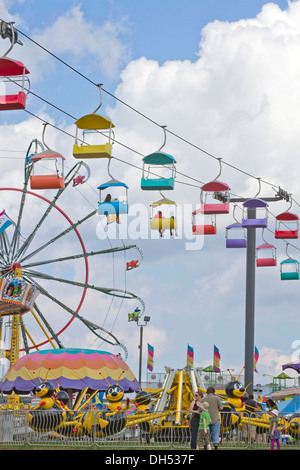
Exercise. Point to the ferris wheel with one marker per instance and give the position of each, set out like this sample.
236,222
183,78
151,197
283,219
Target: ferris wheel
42,253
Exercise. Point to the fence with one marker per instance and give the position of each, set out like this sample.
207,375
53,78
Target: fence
90,430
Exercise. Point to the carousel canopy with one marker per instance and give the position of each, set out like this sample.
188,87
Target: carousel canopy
72,368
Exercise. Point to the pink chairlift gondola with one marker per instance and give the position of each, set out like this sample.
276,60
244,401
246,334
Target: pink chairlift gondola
266,255
208,190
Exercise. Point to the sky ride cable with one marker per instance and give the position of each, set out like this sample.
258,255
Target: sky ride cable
134,109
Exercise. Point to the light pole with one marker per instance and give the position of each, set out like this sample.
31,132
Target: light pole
140,346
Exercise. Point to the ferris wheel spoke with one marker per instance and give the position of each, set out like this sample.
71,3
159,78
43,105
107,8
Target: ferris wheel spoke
91,326
24,336
81,255
30,238
4,247
28,172
47,325
106,290
72,227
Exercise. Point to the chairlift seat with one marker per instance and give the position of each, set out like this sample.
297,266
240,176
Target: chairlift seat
257,222
289,231
216,207
289,270
264,260
13,68
239,242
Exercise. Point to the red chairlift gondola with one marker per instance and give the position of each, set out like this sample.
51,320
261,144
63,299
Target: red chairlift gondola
287,226
12,72
203,228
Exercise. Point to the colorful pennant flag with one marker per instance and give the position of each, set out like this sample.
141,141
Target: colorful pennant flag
190,356
216,362
150,357
256,356
5,221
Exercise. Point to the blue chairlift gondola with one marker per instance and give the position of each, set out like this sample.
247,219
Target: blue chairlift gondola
113,203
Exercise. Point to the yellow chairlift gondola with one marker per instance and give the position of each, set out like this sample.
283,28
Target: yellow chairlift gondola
92,124
164,216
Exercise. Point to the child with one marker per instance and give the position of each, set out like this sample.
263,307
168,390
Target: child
274,431
203,431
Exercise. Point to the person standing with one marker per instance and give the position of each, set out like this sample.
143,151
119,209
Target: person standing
249,429
215,406
203,431
274,431
194,422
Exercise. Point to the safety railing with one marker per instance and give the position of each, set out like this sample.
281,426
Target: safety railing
94,430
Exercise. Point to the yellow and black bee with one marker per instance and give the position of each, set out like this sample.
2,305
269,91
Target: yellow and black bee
113,419
46,416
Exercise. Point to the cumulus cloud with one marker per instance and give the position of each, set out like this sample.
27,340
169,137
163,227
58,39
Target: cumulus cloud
93,47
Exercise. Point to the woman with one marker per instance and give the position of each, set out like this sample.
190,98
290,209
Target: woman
194,422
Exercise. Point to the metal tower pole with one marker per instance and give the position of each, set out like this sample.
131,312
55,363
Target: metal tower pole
250,303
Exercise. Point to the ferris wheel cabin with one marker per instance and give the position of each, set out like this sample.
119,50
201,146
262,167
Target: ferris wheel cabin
13,72
16,296
48,181
160,161
93,124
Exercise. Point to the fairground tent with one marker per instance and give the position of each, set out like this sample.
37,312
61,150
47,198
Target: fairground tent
292,405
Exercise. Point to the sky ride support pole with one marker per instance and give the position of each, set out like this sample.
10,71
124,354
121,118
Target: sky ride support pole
250,288
250,304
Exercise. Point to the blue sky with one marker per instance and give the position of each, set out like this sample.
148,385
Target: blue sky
223,75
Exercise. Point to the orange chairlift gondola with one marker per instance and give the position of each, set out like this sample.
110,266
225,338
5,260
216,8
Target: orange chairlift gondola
94,124
13,73
289,268
51,180
266,254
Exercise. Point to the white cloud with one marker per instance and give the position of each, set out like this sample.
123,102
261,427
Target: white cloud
93,47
